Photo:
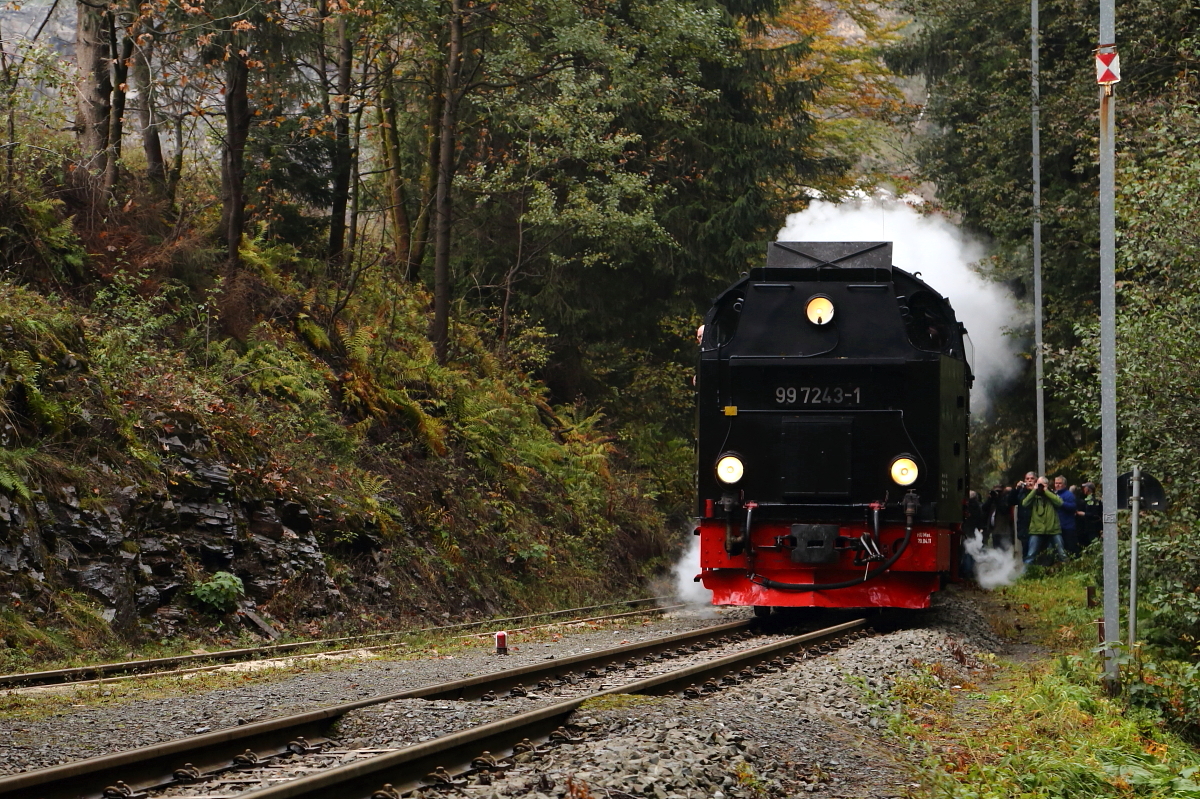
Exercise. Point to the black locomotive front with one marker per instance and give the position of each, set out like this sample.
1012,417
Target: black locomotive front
833,394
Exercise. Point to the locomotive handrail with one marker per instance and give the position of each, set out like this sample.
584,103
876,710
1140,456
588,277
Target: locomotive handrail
815,504
742,410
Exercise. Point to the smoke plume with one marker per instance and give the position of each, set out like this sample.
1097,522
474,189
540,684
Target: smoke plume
686,590
943,255
993,567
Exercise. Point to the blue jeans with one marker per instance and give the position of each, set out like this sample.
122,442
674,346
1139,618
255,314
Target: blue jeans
1037,541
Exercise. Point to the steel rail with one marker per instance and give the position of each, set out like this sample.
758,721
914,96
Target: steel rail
84,673
154,765
404,768
217,666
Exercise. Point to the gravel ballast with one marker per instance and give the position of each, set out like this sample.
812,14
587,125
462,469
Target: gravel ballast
94,730
807,729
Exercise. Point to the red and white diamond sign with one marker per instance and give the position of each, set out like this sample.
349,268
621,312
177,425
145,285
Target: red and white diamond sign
1108,68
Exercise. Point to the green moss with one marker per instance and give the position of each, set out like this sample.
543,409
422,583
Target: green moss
621,701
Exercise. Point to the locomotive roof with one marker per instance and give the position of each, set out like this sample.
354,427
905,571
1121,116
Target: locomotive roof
838,261
870,260
886,311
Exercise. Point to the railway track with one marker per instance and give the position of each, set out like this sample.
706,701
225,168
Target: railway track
104,672
298,756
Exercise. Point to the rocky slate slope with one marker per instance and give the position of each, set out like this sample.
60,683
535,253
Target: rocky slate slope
132,470
132,556
129,479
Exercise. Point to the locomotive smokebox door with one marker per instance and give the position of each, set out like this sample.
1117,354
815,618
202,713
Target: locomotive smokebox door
814,543
816,456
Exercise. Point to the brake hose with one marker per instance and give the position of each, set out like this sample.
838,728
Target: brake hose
911,501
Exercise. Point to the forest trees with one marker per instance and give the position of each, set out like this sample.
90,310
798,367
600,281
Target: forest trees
581,173
975,57
576,177
583,162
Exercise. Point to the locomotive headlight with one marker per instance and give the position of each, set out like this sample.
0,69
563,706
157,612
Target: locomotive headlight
904,471
729,469
819,310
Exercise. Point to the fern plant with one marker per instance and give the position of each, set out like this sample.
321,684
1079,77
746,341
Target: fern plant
13,484
15,467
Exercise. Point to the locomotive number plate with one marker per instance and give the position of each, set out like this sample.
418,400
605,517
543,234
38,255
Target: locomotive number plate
841,396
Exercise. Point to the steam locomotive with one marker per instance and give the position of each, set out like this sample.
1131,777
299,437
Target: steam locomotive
833,396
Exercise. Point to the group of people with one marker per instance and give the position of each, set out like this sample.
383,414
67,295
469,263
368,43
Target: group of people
1067,518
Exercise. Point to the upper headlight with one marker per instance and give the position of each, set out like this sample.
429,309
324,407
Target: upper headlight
729,469
904,471
819,310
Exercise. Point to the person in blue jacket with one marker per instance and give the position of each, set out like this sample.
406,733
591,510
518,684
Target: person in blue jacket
1066,515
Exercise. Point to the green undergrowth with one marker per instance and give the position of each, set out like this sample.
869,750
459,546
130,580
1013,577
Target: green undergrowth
77,628
476,491
1052,732
1048,606
1045,724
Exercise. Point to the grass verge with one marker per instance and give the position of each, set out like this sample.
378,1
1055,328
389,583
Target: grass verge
1044,724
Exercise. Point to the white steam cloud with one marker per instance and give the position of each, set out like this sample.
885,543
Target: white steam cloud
943,254
993,567
686,590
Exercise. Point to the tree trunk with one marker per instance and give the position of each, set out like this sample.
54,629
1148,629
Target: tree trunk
390,146
341,148
429,174
510,278
176,160
322,58
120,77
233,167
94,87
156,165
440,332
10,89
355,163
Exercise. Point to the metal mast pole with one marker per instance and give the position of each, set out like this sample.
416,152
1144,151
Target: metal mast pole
1108,344
1135,507
1037,238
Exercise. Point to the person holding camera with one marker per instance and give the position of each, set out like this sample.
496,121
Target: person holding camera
998,517
1043,506
1023,489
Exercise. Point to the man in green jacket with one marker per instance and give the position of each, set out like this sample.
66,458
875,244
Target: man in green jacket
1043,505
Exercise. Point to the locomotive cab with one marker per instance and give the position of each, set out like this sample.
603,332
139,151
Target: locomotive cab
833,400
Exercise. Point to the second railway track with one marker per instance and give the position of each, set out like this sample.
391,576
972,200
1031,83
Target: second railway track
131,669
278,748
